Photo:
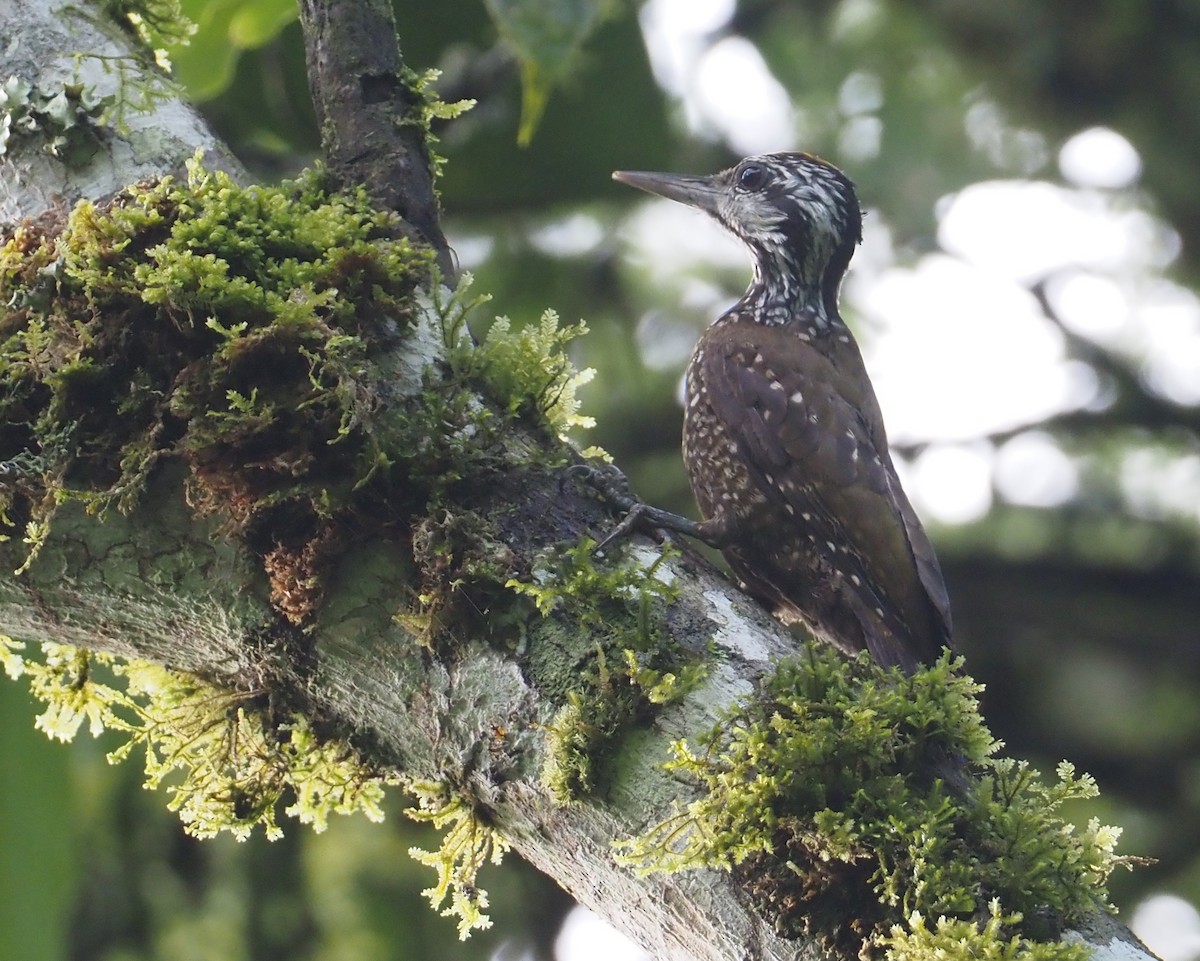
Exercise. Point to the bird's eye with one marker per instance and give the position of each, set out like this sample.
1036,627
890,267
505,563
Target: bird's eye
752,177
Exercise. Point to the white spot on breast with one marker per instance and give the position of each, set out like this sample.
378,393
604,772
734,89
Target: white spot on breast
775,385
797,398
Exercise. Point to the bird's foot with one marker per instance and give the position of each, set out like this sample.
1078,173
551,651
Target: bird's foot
611,484
607,480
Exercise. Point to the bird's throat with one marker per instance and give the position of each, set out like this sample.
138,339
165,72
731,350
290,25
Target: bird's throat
777,297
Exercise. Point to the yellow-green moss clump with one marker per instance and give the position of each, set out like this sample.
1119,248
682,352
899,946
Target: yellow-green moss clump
466,846
829,794
233,329
228,763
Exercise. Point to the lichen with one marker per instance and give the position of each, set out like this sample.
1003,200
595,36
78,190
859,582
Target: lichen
841,794
67,119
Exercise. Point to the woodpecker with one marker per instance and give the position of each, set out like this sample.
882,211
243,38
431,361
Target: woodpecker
783,438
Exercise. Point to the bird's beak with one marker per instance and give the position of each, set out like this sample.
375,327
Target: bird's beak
699,192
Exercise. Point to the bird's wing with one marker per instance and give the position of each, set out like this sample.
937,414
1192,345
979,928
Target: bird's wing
817,457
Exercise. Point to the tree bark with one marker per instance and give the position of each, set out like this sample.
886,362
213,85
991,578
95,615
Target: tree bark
366,106
162,585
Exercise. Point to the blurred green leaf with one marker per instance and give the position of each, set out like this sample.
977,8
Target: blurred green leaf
546,36
258,21
205,66
224,30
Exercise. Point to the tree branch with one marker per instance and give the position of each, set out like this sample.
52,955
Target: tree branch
62,42
372,131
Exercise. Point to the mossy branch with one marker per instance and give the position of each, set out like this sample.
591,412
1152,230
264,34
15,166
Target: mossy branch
305,486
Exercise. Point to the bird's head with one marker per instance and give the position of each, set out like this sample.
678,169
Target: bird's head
798,215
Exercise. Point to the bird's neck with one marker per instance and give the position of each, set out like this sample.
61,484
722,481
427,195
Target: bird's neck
783,292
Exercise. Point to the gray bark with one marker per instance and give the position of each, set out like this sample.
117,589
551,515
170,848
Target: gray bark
161,585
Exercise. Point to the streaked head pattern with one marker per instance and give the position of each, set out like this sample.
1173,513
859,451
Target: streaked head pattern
797,214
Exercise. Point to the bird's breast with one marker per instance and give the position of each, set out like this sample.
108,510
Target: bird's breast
717,468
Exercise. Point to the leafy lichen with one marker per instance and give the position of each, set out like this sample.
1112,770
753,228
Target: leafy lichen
66,119
830,792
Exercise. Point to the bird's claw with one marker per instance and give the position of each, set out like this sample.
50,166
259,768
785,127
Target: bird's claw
612,486
607,480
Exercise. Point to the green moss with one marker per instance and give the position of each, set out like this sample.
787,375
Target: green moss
429,107
569,580
276,342
829,793
525,370
621,605
587,731
989,940
236,329
528,370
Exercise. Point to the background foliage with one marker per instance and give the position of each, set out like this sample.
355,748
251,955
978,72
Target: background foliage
1076,572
